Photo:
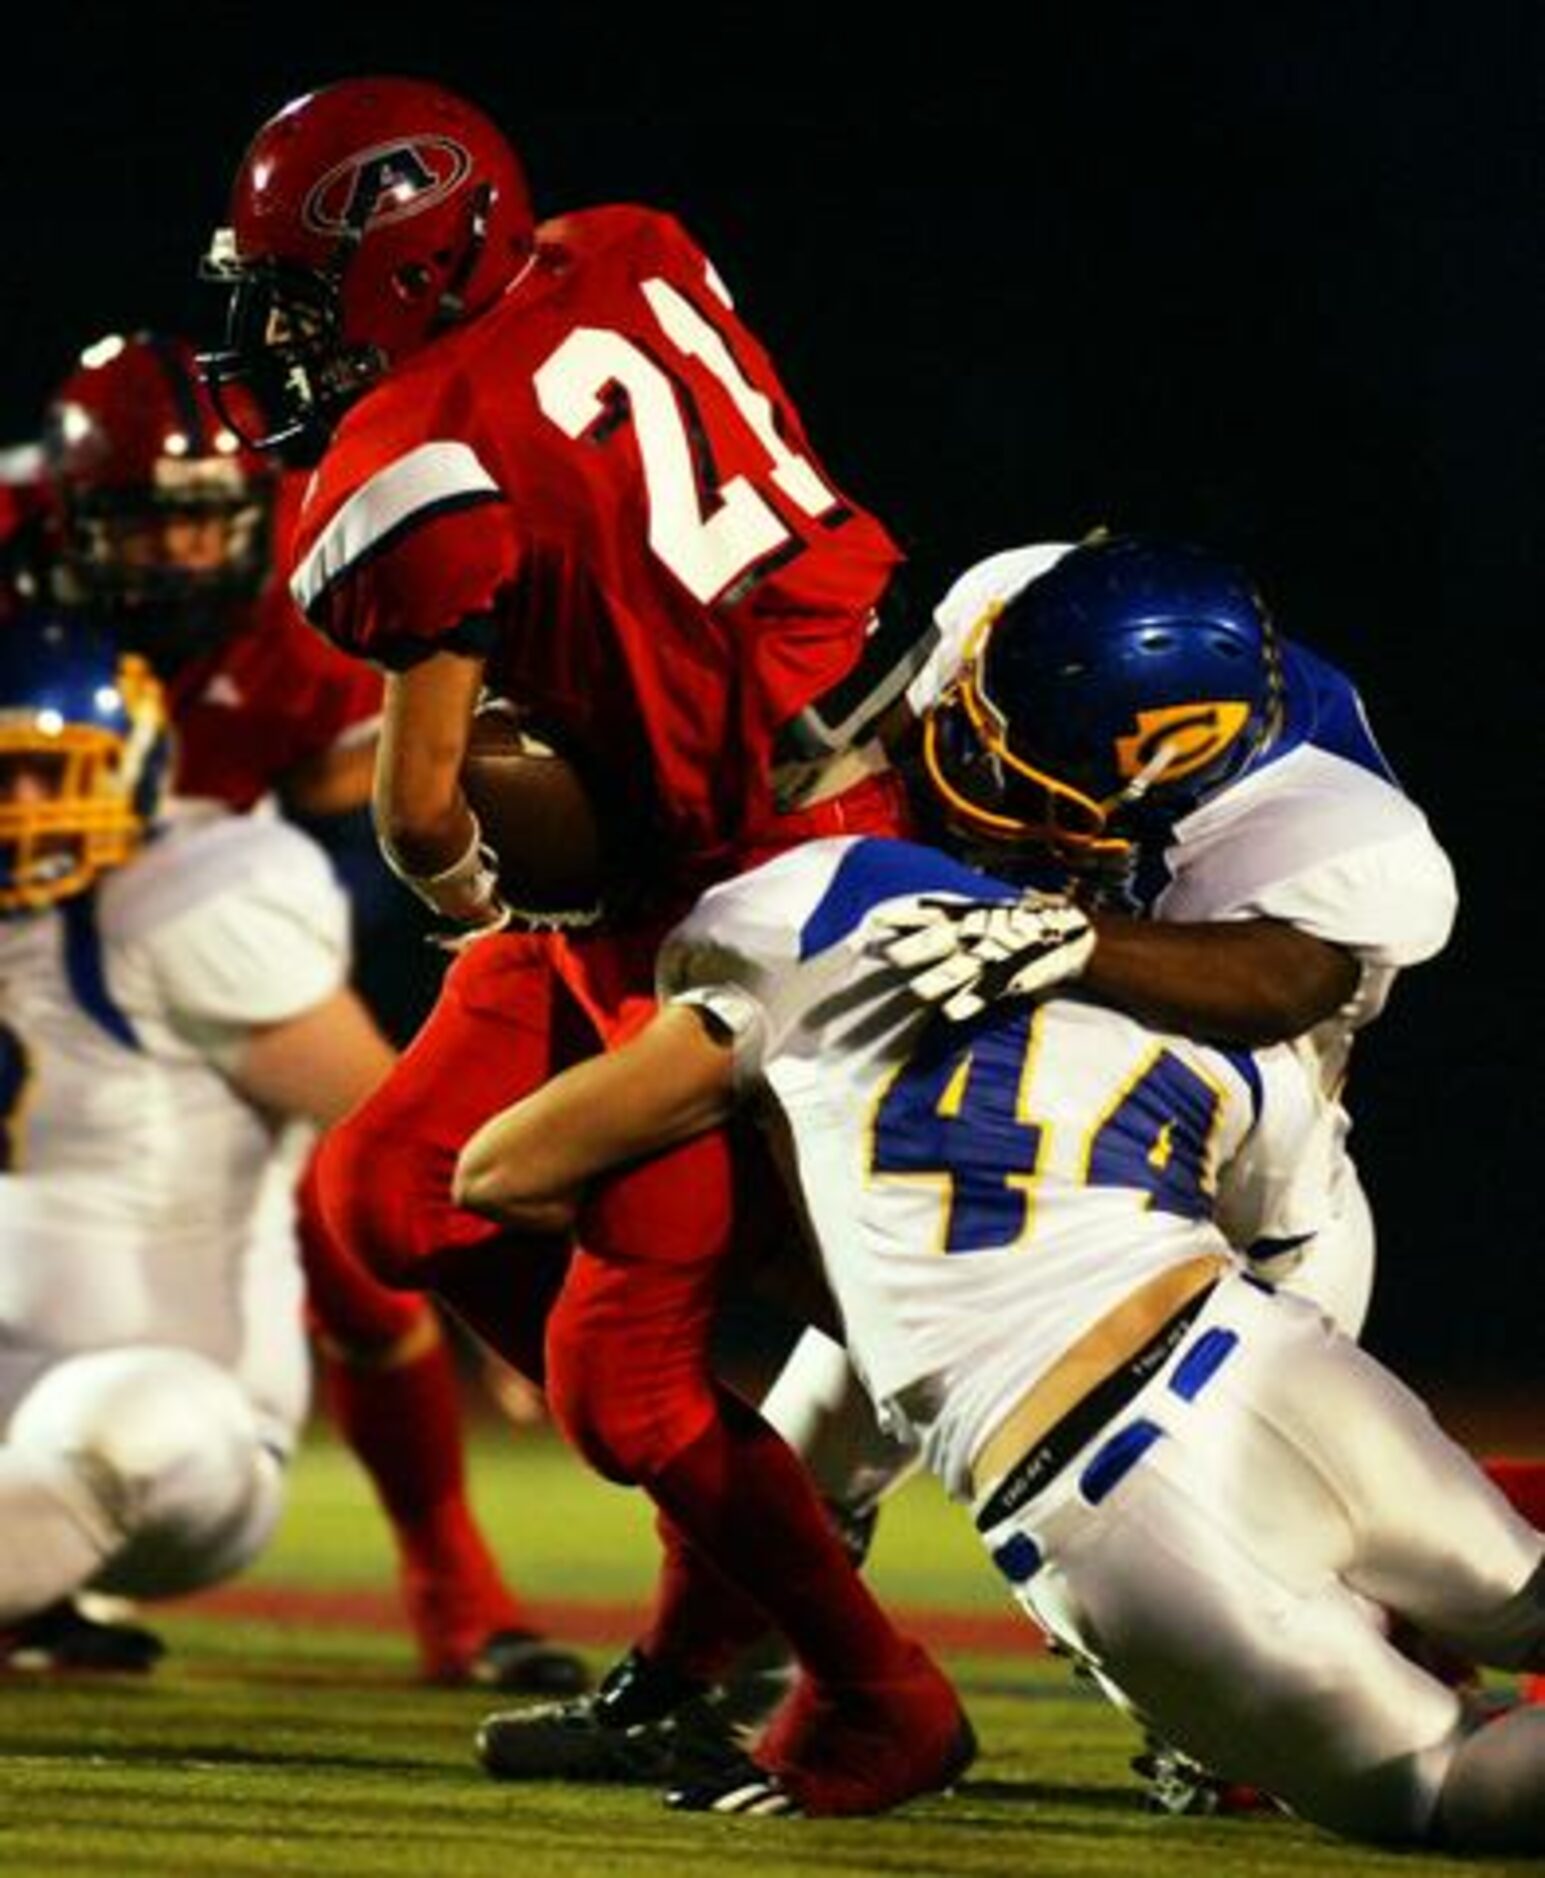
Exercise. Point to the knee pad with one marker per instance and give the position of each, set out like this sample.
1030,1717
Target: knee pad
359,1205
170,1448
589,1422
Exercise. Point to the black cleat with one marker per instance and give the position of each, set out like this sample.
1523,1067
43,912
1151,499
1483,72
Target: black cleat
62,1640
1178,1785
644,1726
740,1786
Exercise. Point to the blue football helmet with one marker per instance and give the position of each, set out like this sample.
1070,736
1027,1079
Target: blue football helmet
1131,672
84,756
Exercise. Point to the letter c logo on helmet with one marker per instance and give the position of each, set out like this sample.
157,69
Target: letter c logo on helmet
387,183
1189,737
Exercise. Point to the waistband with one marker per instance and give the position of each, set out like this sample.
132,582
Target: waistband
1041,1464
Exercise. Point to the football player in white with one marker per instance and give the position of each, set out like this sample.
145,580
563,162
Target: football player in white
175,1022
1199,1486
1212,794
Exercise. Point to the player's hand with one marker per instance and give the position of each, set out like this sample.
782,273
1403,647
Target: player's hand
962,955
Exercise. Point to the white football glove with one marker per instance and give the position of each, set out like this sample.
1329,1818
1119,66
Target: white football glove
962,955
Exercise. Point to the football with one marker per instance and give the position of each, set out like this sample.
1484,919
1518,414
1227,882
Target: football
536,815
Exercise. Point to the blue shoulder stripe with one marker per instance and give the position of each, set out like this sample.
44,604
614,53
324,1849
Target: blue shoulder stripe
1322,707
877,869
83,968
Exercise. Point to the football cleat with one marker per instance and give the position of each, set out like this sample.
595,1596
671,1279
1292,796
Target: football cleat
62,1640
1180,1786
644,1726
740,1787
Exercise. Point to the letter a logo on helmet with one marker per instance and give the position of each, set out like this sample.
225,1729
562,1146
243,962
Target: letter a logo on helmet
387,183
365,219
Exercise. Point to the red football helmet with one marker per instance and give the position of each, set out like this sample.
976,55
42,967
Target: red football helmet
165,513
365,217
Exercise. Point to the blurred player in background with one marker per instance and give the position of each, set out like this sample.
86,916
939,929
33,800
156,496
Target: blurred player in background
175,1021
558,466
145,515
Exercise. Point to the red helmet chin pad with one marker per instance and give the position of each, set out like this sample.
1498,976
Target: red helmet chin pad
411,198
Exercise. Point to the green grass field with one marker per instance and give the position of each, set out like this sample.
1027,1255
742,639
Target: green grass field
284,1733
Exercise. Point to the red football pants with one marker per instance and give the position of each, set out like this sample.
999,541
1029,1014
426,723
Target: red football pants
618,1331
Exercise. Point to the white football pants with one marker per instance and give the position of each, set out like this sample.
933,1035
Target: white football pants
144,1471
1215,1551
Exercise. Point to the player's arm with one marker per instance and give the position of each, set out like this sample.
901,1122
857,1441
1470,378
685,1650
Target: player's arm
316,1065
428,834
528,1165
1252,982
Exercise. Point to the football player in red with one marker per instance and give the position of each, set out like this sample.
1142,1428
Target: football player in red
557,466
150,516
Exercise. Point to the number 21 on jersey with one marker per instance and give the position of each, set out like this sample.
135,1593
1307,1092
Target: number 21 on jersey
711,534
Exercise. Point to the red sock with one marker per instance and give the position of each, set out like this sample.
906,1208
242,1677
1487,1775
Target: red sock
1524,1484
403,1422
700,1621
745,1501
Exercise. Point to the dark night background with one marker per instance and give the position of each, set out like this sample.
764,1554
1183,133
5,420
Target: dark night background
1269,277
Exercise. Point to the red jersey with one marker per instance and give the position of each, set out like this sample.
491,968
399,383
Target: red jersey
600,484
270,697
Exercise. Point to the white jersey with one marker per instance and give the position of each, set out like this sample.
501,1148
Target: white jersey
142,1199
972,1221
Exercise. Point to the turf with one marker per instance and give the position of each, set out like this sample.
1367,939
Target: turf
284,1733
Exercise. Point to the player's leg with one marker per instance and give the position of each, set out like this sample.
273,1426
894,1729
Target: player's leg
384,1173
631,1384
822,1411
389,1377
145,1472
1328,1463
1422,1532
383,1230
1193,1553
